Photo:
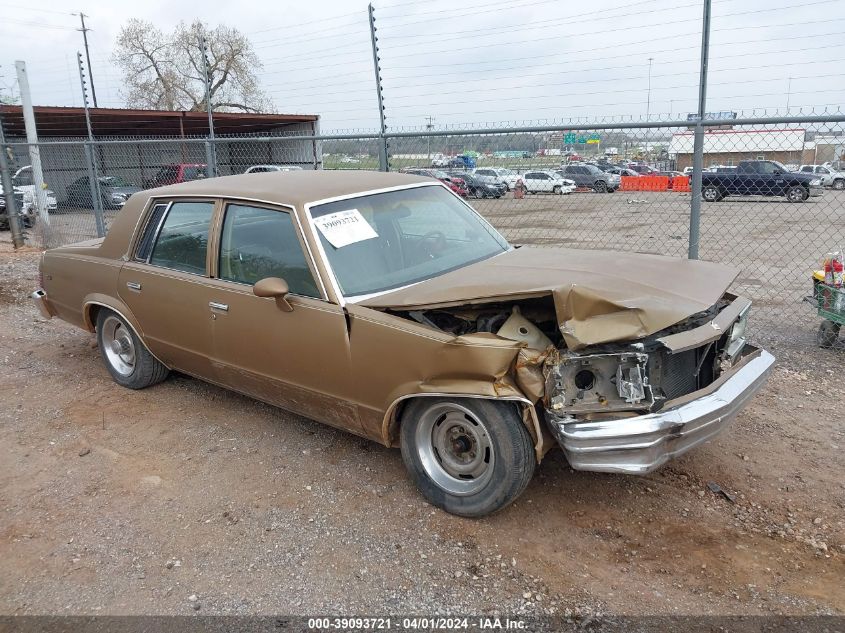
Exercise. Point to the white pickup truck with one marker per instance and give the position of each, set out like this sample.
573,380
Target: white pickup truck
829,176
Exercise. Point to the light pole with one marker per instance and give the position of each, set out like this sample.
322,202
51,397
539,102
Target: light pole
648,104
429,126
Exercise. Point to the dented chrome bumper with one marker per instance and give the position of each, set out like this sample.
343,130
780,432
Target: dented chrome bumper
641,444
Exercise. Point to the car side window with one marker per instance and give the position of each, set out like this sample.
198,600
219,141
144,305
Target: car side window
182,242
145,244
257,243
807,168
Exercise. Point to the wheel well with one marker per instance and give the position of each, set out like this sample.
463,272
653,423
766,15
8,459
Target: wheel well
93,311
393,417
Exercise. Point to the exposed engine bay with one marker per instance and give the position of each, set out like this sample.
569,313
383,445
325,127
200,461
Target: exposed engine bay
611,378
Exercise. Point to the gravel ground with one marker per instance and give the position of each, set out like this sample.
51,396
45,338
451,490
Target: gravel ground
186,498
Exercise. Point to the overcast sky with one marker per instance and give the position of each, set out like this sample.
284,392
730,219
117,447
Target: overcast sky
473,61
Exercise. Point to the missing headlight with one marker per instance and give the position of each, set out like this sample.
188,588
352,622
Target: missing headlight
599,382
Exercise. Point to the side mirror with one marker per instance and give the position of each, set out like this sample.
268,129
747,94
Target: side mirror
273,288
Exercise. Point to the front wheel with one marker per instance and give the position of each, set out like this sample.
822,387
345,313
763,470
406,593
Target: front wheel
557,190
600,186
839,184
129,362
470,457
711,193
797,193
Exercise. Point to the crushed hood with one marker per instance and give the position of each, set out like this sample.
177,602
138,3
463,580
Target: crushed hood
599,296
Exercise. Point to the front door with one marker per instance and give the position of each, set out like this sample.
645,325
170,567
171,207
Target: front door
298,359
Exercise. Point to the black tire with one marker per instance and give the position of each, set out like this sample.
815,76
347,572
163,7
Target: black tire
507,187
496,431
600,186
797,193
557,189
143,370
711,193
839,184
828,334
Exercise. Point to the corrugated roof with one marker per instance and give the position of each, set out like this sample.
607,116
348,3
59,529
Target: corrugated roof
725,141
58,121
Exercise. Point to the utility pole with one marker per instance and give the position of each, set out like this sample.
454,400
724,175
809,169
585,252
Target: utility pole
9,192
429,126
39,193
210,148
788,94
698,140
383,163
648,98
85,30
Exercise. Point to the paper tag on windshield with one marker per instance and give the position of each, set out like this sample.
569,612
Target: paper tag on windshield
345,227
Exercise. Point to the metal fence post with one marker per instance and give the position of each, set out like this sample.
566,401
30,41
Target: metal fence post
383,161
698,140
9,192
93,175
39,194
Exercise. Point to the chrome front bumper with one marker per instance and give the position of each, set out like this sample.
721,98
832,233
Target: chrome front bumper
642,444
39,298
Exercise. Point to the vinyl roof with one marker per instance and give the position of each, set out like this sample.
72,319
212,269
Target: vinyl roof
291,187
55,121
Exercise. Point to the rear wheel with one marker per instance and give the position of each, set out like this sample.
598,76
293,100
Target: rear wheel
797,193
470,457
827,334
127,359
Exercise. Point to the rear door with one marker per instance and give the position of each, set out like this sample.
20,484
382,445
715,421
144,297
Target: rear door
165,283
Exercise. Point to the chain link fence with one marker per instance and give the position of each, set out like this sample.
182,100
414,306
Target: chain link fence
609,186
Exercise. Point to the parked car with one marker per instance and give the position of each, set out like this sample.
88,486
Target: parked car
671,175
26,214
454,183
381,304
643,170
546,182
829,176
687,171
260,169
477,188
114,191
760,178
624,171
497,175
22,181
174,174
440,161
592,177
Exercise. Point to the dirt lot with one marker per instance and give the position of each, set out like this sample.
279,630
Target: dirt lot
185,496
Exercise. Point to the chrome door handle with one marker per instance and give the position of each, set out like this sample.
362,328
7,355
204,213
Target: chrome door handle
133,285
218,306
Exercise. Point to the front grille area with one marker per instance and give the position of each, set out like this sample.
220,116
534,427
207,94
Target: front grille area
678,373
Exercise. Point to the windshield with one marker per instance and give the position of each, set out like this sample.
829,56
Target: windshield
507,172
114,181
382,241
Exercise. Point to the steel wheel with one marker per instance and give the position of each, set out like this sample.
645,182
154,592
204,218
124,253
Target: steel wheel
455,449
118,346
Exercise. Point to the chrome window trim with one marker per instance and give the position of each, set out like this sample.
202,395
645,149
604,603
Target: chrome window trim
344,299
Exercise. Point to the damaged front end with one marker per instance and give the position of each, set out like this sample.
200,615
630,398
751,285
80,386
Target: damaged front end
630,408
623,406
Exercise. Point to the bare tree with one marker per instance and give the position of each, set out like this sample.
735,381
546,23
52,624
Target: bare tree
165,70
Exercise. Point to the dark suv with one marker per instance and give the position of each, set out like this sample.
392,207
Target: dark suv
592,177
